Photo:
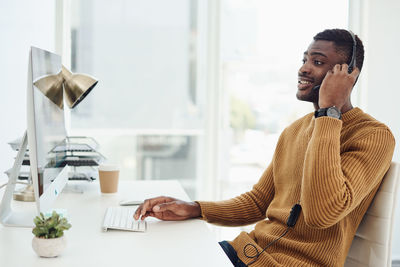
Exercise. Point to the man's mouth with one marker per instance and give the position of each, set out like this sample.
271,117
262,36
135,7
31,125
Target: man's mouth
304,83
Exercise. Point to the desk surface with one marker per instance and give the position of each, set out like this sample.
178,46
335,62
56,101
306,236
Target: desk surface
186,243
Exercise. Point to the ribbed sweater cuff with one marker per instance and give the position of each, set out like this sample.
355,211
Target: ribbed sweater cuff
210,211
204,207
327,127
219,212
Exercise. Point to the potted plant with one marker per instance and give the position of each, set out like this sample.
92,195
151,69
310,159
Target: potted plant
49,240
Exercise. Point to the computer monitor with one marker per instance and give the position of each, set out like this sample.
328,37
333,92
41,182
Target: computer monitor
45,131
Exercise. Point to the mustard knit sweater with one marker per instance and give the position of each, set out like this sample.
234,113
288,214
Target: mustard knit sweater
333,168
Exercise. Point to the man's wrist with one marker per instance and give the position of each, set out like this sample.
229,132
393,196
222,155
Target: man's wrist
328,105
196,209
332,112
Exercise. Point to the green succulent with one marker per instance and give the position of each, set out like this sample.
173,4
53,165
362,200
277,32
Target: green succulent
50,227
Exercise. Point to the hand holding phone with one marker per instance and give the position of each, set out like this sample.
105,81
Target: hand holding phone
349,69
353,59
336,87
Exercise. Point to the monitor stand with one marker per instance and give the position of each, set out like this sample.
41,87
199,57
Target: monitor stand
9,217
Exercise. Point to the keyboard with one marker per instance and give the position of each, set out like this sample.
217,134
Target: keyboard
121,218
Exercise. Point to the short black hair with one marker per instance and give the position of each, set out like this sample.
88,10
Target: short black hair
344,44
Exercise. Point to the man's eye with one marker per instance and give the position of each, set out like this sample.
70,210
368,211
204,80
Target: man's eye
303,60
317,62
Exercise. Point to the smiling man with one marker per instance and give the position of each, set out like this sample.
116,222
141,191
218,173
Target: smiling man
323,62
326,169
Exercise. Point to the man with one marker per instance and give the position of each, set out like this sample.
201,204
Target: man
330,163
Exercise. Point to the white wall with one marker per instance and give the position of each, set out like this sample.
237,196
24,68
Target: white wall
378,24
22,23
383,71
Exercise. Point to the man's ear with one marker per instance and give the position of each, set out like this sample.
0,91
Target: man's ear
358,75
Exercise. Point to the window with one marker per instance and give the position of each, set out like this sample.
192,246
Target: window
146,111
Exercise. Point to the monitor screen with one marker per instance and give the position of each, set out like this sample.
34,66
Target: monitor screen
45,132
46,125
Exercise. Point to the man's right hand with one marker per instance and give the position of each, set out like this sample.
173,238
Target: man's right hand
168,209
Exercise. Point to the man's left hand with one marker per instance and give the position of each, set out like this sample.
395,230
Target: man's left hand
336,87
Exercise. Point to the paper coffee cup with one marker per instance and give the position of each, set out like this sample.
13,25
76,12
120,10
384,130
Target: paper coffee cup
108,177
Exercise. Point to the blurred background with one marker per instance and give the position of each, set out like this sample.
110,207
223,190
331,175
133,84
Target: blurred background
192,90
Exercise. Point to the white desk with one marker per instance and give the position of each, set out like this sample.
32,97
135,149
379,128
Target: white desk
186,243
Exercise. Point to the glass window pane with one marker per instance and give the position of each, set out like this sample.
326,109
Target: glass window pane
145,110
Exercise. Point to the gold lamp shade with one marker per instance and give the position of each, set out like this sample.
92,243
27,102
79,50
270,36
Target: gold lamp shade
74,87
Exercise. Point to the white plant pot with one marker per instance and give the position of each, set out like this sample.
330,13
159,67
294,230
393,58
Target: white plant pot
49,248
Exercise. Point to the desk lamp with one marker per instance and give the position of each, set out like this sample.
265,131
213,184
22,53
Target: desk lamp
64,85
73,87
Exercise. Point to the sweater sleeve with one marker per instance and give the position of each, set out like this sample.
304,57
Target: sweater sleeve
334,184
245,209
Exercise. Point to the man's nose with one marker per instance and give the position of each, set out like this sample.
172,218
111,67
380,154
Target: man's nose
305,68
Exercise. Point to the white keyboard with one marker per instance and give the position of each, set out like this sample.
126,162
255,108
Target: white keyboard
121,218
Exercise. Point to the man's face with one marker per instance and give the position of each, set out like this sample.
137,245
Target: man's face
320,57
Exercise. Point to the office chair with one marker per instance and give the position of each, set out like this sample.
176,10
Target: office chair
372,244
